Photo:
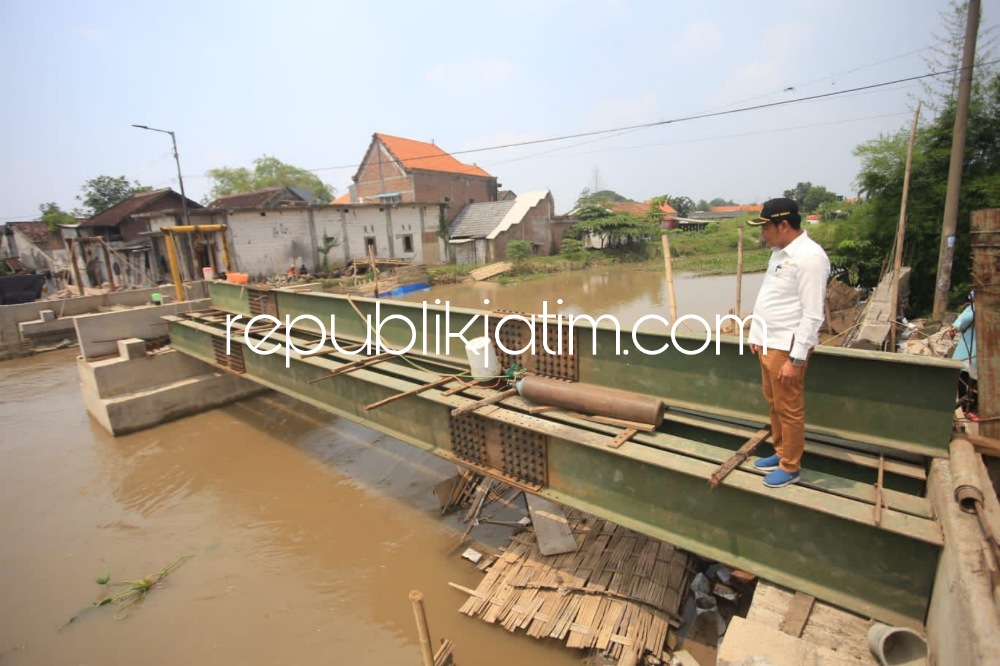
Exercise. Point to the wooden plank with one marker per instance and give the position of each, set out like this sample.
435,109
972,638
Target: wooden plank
879,497
623,436
608,420
551,528
739,457
987,446
492,270
909,470
413,391
798,614
471,407
355,365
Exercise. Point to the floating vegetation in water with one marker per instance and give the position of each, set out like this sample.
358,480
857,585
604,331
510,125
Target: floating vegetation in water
133,591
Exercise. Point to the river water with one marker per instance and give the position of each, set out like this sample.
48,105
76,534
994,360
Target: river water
623,291
307,531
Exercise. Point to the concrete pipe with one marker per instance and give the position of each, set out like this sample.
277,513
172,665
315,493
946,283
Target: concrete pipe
965,475
897,646
595,400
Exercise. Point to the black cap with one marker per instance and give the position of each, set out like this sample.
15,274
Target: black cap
777,210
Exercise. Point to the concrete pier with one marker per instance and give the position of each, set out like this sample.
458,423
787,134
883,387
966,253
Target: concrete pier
125,388
50,321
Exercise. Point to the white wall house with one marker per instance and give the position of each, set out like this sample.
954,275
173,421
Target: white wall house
266,241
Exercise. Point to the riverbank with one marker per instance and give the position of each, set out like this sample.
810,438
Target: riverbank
646,257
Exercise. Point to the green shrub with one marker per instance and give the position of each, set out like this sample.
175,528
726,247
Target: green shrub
570,246
518,250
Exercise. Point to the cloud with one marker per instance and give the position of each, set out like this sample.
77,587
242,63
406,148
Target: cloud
616,111
765,77
92,35
697,40
788,33
477,70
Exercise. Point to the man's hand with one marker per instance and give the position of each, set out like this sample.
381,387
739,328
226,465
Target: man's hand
753,349
789,374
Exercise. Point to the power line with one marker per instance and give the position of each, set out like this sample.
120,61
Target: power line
682,119
833,76
712,138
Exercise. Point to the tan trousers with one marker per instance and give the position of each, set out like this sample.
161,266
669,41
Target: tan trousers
788,412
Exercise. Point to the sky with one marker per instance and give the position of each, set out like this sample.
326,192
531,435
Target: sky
310,82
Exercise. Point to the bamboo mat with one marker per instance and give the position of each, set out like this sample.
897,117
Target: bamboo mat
620,593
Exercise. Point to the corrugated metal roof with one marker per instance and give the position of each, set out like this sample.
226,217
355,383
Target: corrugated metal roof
426,156
138,203
477,220
522,204
258,198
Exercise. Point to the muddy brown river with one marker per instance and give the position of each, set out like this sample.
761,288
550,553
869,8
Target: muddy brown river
307,531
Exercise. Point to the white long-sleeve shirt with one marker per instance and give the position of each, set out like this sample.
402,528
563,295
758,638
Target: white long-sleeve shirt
791,298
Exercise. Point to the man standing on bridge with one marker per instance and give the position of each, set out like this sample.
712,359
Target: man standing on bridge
790,303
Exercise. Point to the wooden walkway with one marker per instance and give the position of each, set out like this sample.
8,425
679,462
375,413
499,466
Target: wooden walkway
620,593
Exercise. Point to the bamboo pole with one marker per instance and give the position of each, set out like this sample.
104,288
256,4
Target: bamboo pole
417,600
897,259
739,269
107,265
371,261
668,267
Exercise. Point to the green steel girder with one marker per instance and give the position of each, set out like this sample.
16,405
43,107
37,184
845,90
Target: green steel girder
890,402
821,540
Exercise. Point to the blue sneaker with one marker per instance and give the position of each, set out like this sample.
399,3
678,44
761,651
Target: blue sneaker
779,478
768,464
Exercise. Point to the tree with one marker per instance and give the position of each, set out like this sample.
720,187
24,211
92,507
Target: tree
267,172
599,197
703,205
53,216
329,242
105,192
881,177
612,227
809,197
719,201
683,205
946,55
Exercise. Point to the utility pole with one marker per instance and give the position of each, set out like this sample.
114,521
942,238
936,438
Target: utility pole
946,253
177,160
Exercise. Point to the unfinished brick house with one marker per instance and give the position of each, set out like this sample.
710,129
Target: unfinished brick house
481,232
398,170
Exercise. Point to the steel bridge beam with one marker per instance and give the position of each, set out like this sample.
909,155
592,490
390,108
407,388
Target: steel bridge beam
819,537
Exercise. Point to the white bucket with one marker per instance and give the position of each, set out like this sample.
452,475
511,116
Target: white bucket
209,273
482,359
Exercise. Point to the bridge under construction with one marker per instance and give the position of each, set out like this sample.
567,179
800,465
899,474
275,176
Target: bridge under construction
859,531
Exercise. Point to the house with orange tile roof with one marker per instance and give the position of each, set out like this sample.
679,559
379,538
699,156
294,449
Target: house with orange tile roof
668,216
399,170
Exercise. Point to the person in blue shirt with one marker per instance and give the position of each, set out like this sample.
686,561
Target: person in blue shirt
964,327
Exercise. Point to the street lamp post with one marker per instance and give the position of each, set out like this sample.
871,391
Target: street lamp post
177,159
